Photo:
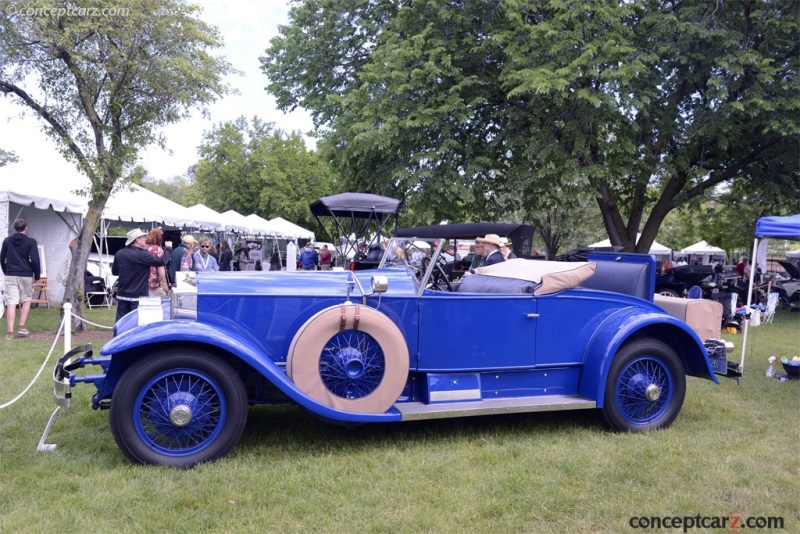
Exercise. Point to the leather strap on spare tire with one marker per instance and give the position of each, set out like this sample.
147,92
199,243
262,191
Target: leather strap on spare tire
303,361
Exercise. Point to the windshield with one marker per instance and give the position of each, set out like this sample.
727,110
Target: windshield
415,255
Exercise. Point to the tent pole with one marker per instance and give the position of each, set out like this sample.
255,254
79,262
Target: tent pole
747,310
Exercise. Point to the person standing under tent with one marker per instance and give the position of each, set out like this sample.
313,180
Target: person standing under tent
225,256
178,256
325,258
203,259
132,265
291,256
19,259
309,258
275,260
157,285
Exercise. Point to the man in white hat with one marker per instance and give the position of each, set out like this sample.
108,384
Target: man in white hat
132,265
491,249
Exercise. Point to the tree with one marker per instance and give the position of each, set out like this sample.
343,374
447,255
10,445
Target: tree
482,107
103,84
256,168
7,157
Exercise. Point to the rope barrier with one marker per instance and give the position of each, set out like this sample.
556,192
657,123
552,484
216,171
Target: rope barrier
67,346
35,378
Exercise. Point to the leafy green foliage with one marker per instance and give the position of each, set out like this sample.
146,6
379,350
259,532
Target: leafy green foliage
255,168
103,85
7,156
476,110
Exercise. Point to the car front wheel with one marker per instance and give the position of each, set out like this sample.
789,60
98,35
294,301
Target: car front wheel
178,408
668,293
645,388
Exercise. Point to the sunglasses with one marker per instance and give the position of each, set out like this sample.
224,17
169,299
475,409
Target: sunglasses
205,246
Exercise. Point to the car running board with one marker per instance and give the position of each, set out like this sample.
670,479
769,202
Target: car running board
412,411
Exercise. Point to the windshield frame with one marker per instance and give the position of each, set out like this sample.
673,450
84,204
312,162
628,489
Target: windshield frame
413,248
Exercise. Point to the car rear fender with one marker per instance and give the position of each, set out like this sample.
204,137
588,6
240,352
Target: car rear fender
628,324
127,348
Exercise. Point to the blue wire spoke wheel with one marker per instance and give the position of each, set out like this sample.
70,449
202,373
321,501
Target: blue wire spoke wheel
178,407
180,411
645,388
352,365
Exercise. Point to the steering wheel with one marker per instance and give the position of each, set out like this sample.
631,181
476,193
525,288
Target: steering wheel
438,276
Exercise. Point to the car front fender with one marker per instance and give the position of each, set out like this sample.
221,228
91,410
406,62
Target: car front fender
630,323
158,335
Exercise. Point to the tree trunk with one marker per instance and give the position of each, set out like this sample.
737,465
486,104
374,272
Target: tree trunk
74,290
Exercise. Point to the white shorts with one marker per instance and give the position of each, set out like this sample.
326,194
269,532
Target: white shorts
17,289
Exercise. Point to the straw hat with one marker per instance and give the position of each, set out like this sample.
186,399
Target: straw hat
133,235
492,239
189,238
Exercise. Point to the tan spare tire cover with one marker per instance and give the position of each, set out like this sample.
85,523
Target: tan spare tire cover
302,364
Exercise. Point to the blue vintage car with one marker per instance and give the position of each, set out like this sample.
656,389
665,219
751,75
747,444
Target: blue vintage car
400,342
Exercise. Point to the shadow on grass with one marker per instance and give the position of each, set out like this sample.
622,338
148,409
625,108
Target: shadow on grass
291,430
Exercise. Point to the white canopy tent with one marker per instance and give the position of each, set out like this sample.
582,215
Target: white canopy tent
657,249
261,226
214,219
287,229
235,219
54,216
702,248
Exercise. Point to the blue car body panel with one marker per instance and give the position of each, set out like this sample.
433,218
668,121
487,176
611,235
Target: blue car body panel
462,347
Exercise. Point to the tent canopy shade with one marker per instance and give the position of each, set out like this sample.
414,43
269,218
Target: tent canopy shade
286,229
261,226
237,222
788,228
779,227
656,248
703,248
214,219
359,205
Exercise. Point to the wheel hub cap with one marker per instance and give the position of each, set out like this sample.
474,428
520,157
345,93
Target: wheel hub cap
180,415
352,362
652,393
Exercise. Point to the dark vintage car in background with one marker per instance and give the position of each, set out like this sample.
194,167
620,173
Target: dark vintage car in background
377,346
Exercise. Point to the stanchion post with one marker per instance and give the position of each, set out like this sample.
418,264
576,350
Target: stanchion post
67,327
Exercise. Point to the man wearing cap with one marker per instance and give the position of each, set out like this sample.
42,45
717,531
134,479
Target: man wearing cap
491,249
187,244
507,253
309,258
132,265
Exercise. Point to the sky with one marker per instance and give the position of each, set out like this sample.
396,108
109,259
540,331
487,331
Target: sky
246,27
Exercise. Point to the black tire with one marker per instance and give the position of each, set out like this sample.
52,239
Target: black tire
645,388
178,408
668,292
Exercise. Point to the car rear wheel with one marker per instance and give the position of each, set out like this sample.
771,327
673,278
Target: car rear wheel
178,408
668,293
645,387
351,358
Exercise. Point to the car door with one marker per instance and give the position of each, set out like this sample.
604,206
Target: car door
476,331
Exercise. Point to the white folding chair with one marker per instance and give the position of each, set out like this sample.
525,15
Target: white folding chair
769,313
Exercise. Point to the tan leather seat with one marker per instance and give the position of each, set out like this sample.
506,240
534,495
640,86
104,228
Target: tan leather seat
703,316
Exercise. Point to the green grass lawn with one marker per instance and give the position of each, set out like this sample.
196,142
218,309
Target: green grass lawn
733,449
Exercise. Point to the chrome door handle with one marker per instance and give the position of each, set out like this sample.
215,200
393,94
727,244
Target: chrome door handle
532,315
